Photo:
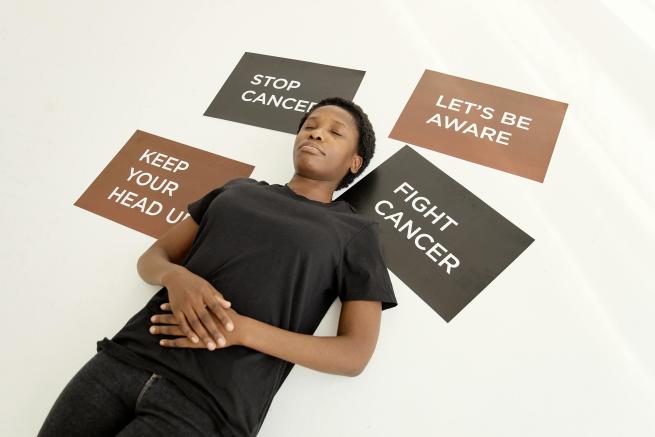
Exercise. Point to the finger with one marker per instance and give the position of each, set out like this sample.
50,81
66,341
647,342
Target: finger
165,306
211,326
198,328
166,329
184,325
221,299
216,308
178,342
164,318
212,340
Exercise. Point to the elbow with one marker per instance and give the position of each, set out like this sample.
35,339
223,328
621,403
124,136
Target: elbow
356,372
142,264
356,366
143,258
149,263
358,356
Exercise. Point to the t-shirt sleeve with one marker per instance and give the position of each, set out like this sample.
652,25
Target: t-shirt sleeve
363,274
198,207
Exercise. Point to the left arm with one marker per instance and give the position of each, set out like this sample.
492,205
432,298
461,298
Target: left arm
345,354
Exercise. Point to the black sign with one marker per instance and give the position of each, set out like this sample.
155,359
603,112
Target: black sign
440,239
274,93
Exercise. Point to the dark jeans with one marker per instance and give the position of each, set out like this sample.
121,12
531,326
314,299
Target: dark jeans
107,397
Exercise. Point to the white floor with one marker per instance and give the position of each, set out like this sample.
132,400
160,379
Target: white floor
561,345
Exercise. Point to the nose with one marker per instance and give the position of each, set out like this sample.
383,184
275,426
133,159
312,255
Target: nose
314,134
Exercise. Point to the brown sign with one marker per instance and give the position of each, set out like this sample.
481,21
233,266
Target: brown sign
489,125
149,182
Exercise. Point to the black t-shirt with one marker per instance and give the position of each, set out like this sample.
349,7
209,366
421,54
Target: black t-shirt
280,258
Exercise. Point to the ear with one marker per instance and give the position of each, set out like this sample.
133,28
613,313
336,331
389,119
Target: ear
356,164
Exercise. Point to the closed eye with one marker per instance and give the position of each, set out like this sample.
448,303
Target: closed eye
334,132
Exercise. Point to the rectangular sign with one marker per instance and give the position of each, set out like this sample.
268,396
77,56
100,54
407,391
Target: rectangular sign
149,182
274,93
440,239
486,124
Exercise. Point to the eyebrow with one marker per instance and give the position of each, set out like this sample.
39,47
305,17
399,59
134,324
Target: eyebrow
336,121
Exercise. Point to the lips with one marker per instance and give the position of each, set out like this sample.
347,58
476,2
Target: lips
314,145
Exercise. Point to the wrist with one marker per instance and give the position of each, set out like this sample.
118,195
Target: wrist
173,270
243,325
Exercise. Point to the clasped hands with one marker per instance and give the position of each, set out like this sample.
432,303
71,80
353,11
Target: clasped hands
167,323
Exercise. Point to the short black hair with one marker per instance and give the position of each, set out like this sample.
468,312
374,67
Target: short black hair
366,145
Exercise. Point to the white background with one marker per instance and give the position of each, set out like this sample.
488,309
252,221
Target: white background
560,344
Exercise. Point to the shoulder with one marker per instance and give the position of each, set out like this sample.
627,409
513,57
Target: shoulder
359,220
368,231
240,181
358,229
243,181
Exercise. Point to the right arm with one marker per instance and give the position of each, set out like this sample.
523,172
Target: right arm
191,296
166,254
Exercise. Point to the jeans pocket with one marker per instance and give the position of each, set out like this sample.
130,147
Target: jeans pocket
148,383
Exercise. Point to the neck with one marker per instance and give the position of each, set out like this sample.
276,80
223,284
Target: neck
320,191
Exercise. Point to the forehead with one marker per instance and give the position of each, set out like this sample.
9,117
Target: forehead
333,113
